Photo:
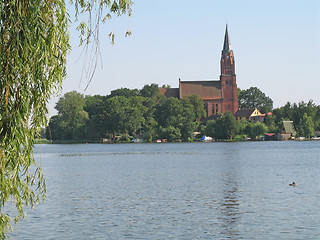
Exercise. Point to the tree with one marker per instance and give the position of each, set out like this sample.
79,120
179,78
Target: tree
256,129
255,98
151,91
226,127
123,114
243,125
34,41
170,133
95,127
269,121
71,118
198,106
176,113
210,126
317,119
150,123
306,127
124,92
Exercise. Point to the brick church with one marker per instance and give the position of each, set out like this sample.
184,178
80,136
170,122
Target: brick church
218,95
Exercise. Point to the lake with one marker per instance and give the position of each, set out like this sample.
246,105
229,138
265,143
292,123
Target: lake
177,191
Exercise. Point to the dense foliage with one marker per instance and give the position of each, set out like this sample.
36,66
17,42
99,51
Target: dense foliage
255,98
34,41
141,113
305,117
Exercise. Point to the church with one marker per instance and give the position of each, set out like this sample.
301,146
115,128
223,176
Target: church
219,96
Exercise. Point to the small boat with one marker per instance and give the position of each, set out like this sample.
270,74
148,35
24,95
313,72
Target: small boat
206,139
293,184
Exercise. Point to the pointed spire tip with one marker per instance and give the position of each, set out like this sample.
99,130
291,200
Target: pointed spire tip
227,43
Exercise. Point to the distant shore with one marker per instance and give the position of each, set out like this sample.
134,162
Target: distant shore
45,141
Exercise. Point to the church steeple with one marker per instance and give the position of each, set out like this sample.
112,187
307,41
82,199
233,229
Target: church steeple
228,77
227,43
227,58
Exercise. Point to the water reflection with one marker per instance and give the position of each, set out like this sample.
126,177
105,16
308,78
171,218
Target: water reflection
229,204
230,209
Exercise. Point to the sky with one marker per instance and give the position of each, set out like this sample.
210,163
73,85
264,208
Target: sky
276,46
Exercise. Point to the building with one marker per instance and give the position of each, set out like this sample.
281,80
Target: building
251,114
287,130
219,96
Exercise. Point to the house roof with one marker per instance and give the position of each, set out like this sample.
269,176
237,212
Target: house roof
288,127
269,134
246,112
170,92
264,114
204,89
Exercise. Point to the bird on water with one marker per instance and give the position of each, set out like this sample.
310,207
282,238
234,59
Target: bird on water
293,184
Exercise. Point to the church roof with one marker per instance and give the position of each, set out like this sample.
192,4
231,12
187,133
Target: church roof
170,92
227,43
204,89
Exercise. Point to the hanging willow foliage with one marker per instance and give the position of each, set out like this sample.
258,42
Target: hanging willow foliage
34,42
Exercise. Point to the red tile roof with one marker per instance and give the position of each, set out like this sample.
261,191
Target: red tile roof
204,89
264,114
170,92
269,134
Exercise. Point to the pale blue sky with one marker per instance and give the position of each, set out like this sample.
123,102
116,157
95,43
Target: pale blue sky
276,47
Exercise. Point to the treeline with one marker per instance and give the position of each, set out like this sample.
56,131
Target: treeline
146,114
305,117
128,113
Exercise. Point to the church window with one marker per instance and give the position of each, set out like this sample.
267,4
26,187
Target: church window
229,107
212,109
217,110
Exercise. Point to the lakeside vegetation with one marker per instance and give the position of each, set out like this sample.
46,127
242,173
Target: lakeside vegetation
127,114
34,38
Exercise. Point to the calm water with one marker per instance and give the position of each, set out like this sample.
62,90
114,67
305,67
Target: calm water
178,191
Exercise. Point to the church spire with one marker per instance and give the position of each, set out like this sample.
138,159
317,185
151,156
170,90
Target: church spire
227,43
